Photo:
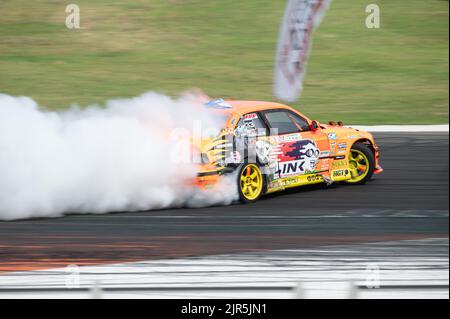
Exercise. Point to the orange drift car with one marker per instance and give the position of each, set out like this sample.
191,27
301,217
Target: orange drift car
270,147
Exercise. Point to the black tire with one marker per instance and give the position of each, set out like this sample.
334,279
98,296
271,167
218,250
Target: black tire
242,197
363,148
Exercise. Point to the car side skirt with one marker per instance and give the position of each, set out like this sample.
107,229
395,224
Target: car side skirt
307,179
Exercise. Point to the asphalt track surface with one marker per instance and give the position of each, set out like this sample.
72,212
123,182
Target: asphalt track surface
408,201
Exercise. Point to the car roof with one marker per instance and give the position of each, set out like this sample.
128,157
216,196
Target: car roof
243,107
238,108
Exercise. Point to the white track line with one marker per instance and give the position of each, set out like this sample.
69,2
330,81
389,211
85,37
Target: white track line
403,128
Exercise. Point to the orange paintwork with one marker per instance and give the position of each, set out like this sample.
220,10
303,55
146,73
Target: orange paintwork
204,182
342,134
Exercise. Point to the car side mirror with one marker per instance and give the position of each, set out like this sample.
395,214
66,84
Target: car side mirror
314,126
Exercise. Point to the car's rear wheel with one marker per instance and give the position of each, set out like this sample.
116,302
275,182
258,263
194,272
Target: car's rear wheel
250,182
361,163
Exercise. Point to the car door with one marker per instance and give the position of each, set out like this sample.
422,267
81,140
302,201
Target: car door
300,150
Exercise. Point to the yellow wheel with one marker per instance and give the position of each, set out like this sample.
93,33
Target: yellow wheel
251,183
361,163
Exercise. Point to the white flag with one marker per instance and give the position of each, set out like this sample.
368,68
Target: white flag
294,42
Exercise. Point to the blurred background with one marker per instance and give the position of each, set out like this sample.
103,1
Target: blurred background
326,238
397,74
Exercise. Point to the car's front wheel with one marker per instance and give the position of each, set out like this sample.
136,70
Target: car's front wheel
361,163
250,182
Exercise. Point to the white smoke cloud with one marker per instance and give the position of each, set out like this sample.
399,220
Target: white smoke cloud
99,159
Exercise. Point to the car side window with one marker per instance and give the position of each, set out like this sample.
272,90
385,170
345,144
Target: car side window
299,121
285,122
251,125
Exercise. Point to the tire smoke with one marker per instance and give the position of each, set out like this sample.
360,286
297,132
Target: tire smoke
99,159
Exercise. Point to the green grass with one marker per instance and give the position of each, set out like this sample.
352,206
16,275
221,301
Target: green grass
397,74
